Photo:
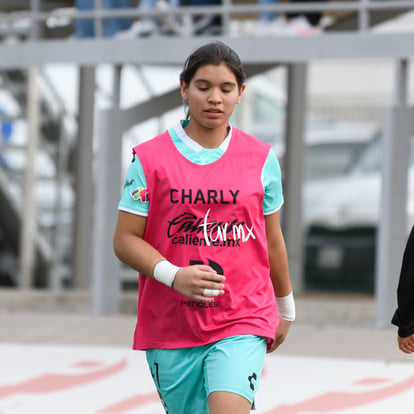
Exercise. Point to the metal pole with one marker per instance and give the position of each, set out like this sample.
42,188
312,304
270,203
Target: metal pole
116,94
363,16
106,290
28,213
59,232
82,257
293,167
98,20
401,82
35,27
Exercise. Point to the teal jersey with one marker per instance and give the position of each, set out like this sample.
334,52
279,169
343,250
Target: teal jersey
134,200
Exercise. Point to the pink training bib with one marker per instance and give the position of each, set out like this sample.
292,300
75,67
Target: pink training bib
206,214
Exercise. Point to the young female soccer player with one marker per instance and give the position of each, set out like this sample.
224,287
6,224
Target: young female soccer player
199,220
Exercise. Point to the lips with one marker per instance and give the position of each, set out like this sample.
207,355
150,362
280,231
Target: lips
213,114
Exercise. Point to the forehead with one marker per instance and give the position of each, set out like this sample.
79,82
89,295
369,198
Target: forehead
215,73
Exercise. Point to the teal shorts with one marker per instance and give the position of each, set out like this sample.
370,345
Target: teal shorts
185,377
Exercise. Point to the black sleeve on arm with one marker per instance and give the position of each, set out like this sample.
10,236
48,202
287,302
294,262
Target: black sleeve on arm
404,315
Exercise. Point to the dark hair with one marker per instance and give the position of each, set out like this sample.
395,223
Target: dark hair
213,53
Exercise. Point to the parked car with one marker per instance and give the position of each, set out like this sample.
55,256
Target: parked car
330,145
341,216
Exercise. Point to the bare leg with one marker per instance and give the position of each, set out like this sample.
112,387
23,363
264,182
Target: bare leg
221,402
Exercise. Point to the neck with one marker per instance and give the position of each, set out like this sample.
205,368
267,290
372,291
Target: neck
206,137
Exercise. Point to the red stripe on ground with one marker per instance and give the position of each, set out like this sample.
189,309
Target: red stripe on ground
334,401
57,382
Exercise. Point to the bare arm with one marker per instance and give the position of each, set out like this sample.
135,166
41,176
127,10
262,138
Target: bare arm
129,245
279,270
131,248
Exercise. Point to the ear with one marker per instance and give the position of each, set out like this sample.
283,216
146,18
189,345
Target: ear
243,87
184,87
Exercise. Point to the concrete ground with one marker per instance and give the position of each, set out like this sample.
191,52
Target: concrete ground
326,325
58,357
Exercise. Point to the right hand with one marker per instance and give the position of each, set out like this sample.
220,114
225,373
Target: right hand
191,281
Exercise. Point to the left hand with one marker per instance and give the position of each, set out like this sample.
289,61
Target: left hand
281,333
406,344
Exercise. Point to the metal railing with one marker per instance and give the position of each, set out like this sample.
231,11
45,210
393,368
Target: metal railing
28,22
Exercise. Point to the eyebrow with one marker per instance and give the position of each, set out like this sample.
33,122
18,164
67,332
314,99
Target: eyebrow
207,81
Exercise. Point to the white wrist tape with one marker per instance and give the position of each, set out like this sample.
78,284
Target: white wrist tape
211,292
286,307
165,272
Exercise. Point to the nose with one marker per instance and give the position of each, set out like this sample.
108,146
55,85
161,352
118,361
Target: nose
215,96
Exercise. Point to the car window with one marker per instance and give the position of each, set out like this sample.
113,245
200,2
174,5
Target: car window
369,159
328,159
